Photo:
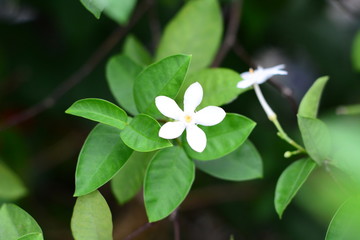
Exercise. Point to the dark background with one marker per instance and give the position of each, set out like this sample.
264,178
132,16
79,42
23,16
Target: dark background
43,42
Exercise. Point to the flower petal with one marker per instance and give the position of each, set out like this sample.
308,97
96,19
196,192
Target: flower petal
168,107
210,116
196,138
267,73
247,82
171,130
193,97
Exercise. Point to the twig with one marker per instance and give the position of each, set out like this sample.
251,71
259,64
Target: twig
101,52
138,231
174,218
230,36
346,8
284,90
154,24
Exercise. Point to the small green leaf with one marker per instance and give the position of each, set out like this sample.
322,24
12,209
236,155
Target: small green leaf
162,78
100,111
94,6
121,73
223,138
356,52
142,134
316,137
101,157
119,11
130,178
11,187
195,30
167,182
242,164
136,51
91,219
16,223
290,182
310,103
346,221
219,85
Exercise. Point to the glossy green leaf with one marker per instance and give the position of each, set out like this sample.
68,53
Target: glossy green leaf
142,134
16,223
99,110
346,221
130,178
11,187
94,6
167,182
219,85
195,30
223,138
32,236
310,103
290,182
91,219
356,52
119,11
101,157
242,164
136,51
316,137
121,73
162,78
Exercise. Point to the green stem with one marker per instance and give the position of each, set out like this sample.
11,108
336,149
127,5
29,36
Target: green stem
282,134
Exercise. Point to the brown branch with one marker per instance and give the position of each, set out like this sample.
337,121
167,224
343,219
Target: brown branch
154,25
284,90
102,51
230,36
138,231
174,218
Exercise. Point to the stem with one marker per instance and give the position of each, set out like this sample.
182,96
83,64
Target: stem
273,118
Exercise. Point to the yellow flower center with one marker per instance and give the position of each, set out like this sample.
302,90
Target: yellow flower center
187,118
251,70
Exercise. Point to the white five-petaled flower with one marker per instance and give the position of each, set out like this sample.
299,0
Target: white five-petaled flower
188,119
260,75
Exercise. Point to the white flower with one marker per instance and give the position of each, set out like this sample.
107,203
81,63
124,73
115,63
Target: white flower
260,75
188,119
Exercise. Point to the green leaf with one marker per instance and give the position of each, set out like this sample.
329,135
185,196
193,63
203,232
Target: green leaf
130,178
16,223
91,219
290,182
32,236
242,164
223,138
356,52
310,103
219,85
136,51
11,187
101,157
167,182
142,134
100,111
94,6
195,30
163,78
346,221
121,73
316,137
119,11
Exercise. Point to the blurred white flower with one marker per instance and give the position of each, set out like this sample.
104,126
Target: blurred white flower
188,119
260,75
